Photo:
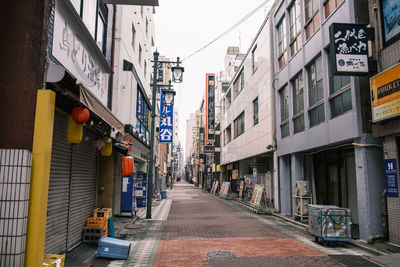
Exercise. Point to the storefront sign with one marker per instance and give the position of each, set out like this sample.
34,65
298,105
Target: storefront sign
392,189
210,108
235,174
348,49
385,94
391,19
74,51
166,122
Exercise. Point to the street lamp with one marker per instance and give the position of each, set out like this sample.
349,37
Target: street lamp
177,73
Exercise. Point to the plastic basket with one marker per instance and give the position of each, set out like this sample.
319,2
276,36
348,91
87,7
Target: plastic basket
53,260
105,212
96,222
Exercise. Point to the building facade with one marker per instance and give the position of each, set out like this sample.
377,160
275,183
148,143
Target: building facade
247,116
386,51
323,122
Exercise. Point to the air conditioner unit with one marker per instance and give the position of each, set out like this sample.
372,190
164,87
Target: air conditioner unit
302,188
302,207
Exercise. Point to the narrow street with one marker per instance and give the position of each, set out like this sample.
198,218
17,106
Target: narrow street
193,228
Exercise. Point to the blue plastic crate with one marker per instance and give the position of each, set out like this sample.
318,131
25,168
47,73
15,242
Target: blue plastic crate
113,248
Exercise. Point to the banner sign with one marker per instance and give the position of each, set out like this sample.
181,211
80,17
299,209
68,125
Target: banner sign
72,49
348,49
390,19
385,94
210,107
392,189
166,122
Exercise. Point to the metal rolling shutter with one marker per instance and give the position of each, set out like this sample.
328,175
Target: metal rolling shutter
57,205
83,187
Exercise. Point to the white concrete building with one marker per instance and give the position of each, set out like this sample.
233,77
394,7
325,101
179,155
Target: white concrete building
131,100
247,119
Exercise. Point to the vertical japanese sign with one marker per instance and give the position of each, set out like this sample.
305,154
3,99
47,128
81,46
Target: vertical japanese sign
166,122
210,108
392,189
348,49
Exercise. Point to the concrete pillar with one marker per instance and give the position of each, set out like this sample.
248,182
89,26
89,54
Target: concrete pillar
370,184
285,185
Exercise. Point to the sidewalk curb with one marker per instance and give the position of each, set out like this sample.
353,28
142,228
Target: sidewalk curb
351,242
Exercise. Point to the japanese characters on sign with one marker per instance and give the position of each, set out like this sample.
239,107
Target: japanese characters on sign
392,188
348,49
75,53
210,108
385,94
166,122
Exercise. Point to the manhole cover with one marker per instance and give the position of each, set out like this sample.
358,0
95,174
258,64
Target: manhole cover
219,255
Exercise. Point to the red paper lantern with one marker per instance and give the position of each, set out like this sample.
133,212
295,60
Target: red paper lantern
127,166
80,114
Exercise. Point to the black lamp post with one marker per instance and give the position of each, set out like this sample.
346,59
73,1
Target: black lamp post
177,73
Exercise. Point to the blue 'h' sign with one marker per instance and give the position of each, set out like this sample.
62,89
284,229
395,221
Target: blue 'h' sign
392,189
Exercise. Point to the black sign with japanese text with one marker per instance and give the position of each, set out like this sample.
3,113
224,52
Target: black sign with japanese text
210,107
348,49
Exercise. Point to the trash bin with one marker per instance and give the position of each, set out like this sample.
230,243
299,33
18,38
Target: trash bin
163,194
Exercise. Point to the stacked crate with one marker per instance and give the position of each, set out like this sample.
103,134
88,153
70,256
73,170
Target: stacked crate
98,222
97,226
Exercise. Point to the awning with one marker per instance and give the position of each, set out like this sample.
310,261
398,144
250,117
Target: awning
90,101
133,2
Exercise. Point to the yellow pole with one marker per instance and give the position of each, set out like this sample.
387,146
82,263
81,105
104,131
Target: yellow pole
39,189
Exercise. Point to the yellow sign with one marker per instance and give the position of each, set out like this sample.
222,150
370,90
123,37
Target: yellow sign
218,169
385,94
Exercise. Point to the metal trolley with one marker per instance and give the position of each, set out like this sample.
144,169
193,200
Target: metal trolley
329,223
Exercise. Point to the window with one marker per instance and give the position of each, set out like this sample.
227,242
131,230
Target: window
89,15
227,135
281,43
312,17
142,115
330,6
340,94
255,111
145,68
238,125
316,92
315,86
238,85
294,20
94,15
147,27
298,103
227,102
253,59
140,54
284,103
133,36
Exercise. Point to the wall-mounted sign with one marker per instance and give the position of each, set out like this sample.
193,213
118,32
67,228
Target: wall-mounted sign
385,94
235,174
391,18
348,49
210,107
392,189
74,51
166,122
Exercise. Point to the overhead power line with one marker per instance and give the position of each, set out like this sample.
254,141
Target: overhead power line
230,29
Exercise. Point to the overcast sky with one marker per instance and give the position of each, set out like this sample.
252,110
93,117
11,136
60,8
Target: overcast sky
184,26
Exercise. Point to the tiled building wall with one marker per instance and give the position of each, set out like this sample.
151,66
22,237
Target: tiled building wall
15,174
390,147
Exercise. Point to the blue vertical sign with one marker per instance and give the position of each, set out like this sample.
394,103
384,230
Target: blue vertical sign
392,189
166,122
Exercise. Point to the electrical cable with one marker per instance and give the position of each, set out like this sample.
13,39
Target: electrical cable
229,30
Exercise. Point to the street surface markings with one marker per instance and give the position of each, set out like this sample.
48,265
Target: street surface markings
144,245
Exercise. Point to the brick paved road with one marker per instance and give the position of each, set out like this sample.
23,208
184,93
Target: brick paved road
200,223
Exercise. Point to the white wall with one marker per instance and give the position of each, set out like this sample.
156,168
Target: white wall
257,137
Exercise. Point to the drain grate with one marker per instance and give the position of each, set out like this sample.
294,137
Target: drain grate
219,255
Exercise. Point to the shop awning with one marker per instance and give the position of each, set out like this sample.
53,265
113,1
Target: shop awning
90,101
133,2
